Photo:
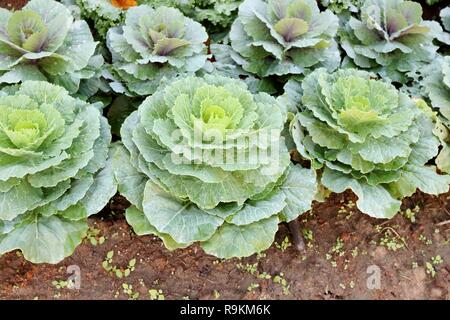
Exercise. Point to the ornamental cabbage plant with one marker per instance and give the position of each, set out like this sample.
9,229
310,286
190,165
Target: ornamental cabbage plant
203,160
390,38
368,137
216,15
154,44
103,14
44,42
278,37
54,171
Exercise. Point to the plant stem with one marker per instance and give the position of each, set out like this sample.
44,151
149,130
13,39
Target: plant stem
297,237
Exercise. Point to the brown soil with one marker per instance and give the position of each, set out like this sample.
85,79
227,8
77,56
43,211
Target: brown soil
342,247
12,4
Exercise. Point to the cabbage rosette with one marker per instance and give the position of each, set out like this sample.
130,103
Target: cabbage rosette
203,160
390,38
154,44
279,37
54,171
44,42
444,36
367,137
445,17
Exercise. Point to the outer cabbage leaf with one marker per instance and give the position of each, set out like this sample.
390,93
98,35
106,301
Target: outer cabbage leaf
44,42
224,63
44,239
284,38
445,17
141,226
432,84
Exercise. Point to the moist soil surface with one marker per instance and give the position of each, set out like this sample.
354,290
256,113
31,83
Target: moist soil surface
348,255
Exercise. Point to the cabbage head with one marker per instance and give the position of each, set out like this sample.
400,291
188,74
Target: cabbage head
44,42
367,137
390,38
154,44
102,14
279,37
203,160
54,171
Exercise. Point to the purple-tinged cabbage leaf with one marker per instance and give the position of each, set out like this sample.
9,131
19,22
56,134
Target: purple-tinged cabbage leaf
279,37
390,37
154,44
43,42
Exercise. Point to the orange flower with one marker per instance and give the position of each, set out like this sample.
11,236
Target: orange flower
124,4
